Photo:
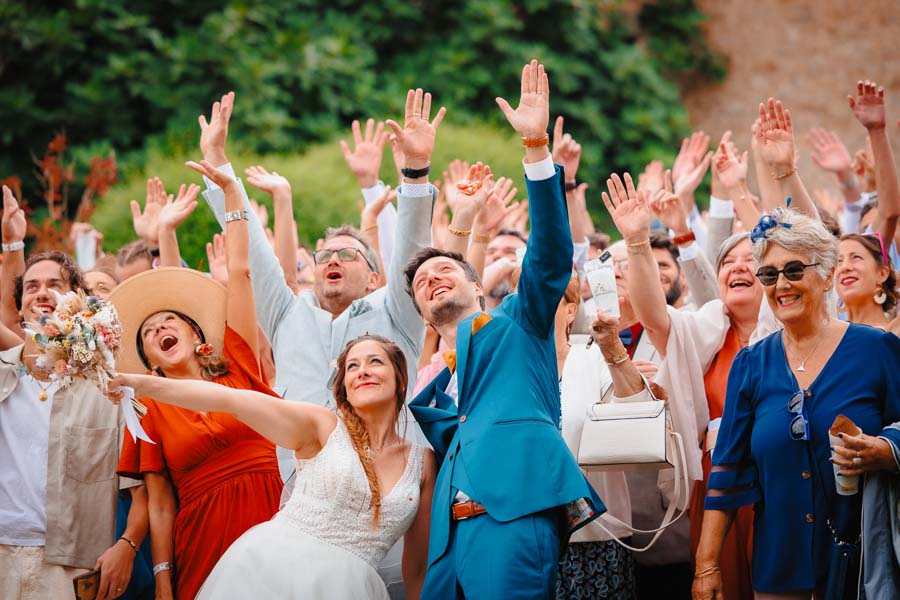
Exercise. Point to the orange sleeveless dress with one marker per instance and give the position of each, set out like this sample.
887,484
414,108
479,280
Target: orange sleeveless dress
734,562
225,474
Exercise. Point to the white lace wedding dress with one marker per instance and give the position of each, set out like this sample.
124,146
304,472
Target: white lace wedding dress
322,543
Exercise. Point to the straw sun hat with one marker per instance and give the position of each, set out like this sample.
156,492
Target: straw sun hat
184,291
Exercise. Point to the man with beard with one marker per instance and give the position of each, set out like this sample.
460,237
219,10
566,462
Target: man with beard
508,490
665,252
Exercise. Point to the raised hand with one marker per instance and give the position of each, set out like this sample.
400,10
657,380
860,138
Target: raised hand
215,257
828,152
864,169
368,216
669,209
496,207
629,210
176,211
651,180
532,115
14,224
473,192
868,106
416,137
263,180
775,137
220,178
692,152
368,149
731,170
214,133
146,222
456,172
566,151
397,155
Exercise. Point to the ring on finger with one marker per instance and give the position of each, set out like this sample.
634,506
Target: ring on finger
857,461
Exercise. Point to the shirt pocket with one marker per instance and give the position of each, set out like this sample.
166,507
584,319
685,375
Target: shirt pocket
91,454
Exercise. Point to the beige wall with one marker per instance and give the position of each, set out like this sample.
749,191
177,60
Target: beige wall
807,53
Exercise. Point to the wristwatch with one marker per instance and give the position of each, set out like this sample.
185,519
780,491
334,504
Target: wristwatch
416,173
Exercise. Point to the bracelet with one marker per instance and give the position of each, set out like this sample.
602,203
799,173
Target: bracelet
536,142
160,567
617,359
706,571
637,247
571,186
415,173
785,176
130,543
481,238
13,246
370,228
684,238
236,215
459,232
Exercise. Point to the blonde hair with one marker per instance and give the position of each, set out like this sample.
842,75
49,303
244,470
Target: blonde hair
356,428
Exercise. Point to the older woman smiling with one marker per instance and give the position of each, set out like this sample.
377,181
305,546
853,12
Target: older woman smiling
783,395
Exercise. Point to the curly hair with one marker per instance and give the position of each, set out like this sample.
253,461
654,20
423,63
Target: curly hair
68,268
802,234
873,246
359,434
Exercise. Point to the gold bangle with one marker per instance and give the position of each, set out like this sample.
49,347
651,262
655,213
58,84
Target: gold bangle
785,176
617,359
536,142
481,238
459,232
370,228
637,247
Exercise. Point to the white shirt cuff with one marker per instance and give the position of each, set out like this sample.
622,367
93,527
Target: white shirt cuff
540,170
689,252
416,190
721,209
371,194
227,169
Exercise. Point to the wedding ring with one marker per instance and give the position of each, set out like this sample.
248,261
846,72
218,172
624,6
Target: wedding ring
417,115
857,461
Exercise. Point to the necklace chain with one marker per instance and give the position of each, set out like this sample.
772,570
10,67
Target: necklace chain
802,366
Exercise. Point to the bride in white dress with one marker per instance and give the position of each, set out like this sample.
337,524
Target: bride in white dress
359,485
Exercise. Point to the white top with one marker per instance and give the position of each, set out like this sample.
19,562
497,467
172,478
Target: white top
331,499
24,436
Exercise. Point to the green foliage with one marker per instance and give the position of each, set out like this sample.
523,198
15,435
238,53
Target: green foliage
325,191
135,75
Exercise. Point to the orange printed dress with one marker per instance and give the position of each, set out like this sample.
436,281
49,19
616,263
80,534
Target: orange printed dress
734,561
225,474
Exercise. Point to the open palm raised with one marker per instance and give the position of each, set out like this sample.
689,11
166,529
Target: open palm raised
532,115
629,209
775,136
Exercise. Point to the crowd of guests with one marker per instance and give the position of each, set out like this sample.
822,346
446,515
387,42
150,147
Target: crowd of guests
397,413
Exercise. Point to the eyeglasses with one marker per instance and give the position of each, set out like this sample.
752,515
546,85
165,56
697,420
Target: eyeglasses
345,254
793,271
800,423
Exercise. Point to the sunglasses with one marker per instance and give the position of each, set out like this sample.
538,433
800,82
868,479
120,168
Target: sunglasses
799,424
793,271
345,254
876,235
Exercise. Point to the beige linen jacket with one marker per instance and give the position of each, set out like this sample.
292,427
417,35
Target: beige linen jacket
82,456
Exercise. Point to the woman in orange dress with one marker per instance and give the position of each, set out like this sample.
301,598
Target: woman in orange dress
209,477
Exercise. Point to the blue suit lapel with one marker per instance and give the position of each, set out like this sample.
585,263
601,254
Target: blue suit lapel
463,339
436,414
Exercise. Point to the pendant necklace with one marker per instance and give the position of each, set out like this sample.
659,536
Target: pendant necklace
42,395
802,367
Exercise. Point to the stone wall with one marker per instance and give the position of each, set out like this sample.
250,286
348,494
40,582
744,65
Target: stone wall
809,54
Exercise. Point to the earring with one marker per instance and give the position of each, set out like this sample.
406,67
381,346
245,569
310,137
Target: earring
203,349
880,297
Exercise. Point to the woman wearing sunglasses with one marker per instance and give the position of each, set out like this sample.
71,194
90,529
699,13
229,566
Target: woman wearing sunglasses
783,395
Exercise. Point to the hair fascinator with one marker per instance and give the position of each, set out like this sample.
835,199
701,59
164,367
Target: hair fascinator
767,222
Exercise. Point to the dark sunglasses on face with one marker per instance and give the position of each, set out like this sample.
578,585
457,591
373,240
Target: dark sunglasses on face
793,271
345,254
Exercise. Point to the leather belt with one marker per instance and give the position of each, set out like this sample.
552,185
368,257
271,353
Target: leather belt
467,510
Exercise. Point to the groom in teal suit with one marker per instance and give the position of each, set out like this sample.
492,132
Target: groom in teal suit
509,492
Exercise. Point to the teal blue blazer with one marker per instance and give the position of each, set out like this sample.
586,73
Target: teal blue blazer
502,444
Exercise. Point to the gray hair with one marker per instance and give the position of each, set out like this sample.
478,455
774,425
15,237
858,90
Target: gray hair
727,246
359,236
805,235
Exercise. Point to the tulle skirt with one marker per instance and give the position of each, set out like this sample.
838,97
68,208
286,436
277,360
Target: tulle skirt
277,560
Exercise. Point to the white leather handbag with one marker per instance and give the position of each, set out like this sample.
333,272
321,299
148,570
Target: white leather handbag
629,436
